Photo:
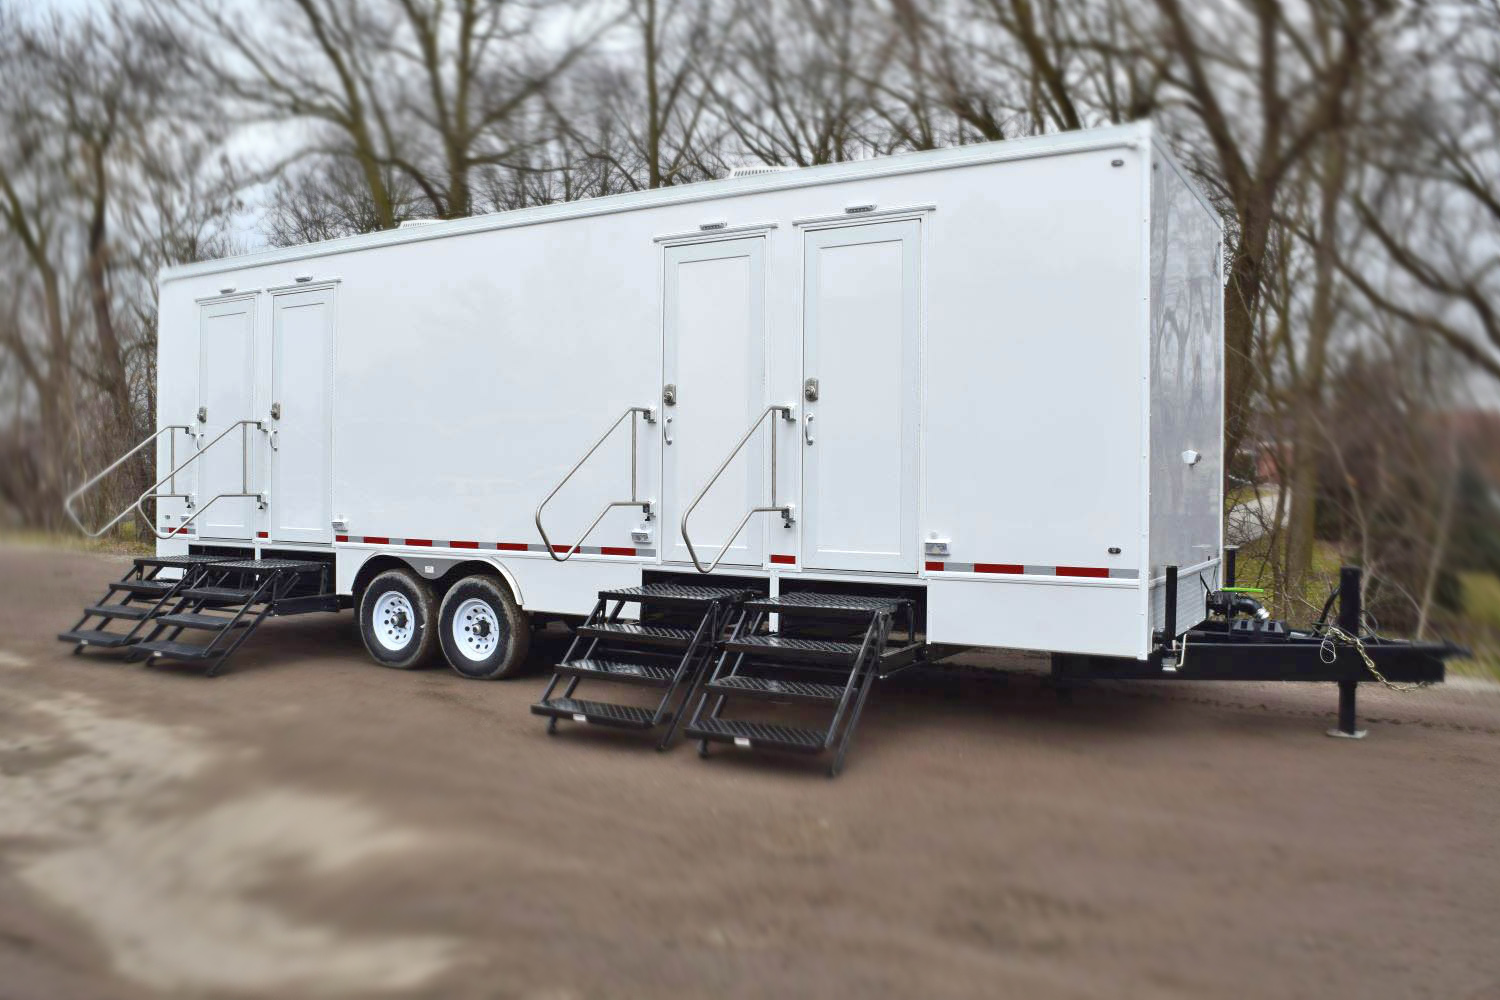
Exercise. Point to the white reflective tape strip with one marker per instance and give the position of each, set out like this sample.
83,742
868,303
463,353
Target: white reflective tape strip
742,741
580,718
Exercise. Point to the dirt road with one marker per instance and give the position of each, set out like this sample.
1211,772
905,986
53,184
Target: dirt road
313,825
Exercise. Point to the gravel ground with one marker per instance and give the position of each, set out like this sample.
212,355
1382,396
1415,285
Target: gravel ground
313,825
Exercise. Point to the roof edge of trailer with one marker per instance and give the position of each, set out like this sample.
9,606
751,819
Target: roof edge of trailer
1107,137
1170,158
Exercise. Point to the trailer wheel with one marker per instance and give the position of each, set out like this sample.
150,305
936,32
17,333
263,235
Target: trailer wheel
485,635
395,619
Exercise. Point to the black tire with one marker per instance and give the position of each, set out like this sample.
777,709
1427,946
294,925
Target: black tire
381,637
496,632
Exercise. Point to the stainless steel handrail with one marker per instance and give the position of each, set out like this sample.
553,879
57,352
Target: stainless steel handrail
245,491
785,510
95,479
650,414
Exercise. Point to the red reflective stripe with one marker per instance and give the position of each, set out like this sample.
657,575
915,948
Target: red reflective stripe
1096,571
998,568
935,567
615,550
419,541
376,540
463,545
564,548
262,534
791,560
340,538
511,546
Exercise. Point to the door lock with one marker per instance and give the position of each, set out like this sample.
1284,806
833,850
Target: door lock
810,390
202,414
275,411
669,394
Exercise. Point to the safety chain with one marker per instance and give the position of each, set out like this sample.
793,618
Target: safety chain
1328,653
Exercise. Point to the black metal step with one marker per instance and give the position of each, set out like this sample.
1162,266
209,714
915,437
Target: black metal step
190,619
675,595
600,713
154,588
772,689
219,595
173,650
646,674
758,735
270,565
96,637
182,561
132,612
667,636
792,648
852,607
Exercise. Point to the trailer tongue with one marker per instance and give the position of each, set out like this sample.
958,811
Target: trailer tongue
1232,648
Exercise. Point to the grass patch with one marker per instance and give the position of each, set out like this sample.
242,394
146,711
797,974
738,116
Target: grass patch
1478,625
128,541
1253,569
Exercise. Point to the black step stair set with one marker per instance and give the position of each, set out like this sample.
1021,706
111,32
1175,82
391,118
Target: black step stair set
801,664
206,612
666,650
146,591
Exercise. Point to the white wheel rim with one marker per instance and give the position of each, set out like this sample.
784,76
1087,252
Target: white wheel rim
476,629
394,621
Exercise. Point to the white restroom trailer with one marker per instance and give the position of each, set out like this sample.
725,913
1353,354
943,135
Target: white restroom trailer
999,369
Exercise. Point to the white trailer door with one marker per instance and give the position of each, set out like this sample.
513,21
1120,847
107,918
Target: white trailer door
714,361
226,391
861,302
301,416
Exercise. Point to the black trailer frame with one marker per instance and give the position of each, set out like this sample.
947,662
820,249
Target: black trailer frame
1247,650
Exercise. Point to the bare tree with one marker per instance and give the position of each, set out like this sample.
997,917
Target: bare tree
85,191
652,124
427,90
793,90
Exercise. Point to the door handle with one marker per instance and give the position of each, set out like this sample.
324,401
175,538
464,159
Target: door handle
666,430
807,428
272,439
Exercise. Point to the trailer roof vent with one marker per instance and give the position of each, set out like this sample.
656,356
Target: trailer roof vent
414,223
859,209
755,170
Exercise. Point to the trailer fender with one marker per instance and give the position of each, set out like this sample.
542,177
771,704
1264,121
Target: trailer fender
440,570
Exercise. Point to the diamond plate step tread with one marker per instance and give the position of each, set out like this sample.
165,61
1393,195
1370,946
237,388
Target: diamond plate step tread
96,637
758,734
772,688
270,565
130,612
223,595
156,587
599,712
174,650
658,635
181,562
830,605
189,619
649,674
677,594
792,647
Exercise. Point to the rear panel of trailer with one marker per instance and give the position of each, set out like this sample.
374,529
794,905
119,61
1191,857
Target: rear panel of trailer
1187,391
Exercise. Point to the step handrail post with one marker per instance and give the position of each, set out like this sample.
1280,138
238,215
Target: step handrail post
243,426
95,479
785,510
649,413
